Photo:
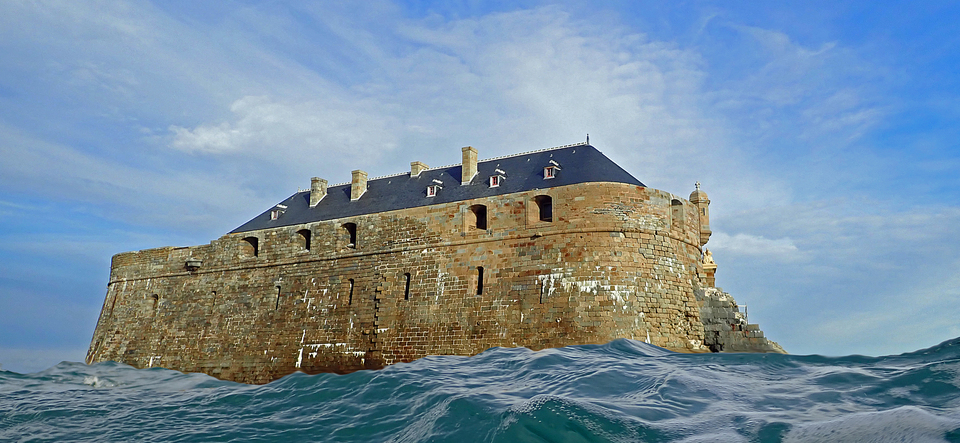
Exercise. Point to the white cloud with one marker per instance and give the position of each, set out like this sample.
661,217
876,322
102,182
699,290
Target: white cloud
226,118
747,244
157,197
276,131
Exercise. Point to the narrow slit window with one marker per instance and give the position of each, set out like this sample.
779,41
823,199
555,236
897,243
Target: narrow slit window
278,300
479,280
406,286
154,304
350,297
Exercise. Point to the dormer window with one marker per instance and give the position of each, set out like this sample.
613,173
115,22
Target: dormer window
550,171
277,211
495,180
434,188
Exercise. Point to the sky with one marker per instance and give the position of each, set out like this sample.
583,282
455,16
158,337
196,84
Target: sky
825,133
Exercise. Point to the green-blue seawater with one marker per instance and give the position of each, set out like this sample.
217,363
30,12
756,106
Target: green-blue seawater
624,391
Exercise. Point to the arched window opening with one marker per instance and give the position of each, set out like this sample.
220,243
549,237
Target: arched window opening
477,217
305,238
479,280
406,287
544,207
350,234
250,247
350,297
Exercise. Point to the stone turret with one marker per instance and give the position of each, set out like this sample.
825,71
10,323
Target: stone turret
700,200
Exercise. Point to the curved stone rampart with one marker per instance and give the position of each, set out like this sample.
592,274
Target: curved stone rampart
611,261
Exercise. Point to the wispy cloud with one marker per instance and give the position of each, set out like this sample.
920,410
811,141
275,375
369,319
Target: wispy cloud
781,248
161,120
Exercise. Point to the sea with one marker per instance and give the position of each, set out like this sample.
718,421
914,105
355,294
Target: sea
623,391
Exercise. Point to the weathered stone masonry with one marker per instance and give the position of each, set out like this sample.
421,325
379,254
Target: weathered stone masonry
607,260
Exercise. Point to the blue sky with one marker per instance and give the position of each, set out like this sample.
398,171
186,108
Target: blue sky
825,133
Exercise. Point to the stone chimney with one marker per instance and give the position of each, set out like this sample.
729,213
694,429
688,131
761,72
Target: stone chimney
318,190
358,186
417,167
469,165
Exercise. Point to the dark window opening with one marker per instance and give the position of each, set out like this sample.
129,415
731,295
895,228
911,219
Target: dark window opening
350,299
305,238
251,247
406,288
351,234
278,299
479,280
543,288
478,217
545,207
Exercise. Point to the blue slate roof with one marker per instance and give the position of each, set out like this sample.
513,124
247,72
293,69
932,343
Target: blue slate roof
523,172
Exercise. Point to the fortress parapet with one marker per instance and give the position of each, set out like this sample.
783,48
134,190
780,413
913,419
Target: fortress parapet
541,249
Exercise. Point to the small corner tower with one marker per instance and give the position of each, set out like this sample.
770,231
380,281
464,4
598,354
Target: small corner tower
700,200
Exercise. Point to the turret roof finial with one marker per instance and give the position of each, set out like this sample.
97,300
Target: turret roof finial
698,185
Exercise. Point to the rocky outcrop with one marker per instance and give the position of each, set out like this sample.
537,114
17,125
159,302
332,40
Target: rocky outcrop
726,329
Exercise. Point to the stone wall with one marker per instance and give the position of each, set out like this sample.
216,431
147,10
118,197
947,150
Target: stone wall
614,261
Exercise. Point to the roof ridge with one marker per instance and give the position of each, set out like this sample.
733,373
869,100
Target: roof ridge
535,151
479,161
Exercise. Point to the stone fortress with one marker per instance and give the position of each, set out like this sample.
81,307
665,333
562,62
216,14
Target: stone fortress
540,249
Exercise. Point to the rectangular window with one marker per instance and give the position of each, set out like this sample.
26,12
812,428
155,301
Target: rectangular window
495,181
549,172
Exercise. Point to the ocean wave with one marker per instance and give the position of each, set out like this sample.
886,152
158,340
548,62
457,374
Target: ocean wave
621,391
